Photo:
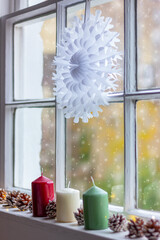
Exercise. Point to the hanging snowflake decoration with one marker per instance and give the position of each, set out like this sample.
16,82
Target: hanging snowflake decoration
86,67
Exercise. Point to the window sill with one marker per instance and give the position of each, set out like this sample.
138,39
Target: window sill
15,224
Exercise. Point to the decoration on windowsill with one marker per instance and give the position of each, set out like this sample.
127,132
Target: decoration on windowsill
3,195
16,199
22,201
30,206
95,204
79,216
11,198
86,66
42,192
117,223
67,200
151,229
95,198
135,228
51,209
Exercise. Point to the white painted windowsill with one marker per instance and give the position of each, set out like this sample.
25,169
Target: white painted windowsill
18,225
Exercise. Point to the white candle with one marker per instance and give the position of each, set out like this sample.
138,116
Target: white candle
67,201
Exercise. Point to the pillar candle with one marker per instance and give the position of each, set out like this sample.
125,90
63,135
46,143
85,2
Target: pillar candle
42,192
95,203
67,202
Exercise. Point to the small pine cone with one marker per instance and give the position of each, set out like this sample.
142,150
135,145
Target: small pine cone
30,206
3,194
79,216
135,228
117,223
51,209
151,229
11,198
22,201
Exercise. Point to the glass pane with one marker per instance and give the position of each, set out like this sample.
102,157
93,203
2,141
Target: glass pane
34,2
148,134
148,44
97,149
76,10
34,145
113,9
34,50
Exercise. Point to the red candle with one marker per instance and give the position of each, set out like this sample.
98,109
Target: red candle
42,192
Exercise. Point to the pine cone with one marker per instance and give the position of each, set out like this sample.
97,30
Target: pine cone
79,216
51,209
151,229
22,201
117,223
30,206
3,194
135,228
11,198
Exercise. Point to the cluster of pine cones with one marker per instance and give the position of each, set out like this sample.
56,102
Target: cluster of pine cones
150,229
23,202
15,199
137,228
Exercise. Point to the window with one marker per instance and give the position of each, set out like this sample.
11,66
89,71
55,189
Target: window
97,148
34,144
29,102
34,50
120,148
147,106
148,154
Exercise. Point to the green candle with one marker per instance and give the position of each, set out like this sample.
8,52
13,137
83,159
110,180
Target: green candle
95,203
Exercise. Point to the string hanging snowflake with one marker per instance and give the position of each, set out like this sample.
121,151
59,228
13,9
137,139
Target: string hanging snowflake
86,67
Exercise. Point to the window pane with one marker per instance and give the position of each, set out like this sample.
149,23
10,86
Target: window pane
148,134
113,9
148,44
34,2
26,3
34,50
34,145
76,10
97,149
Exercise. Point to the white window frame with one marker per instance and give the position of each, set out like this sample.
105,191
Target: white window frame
128,97
8,105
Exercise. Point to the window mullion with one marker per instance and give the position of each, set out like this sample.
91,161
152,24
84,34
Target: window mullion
60,120
31,103
9,147
129,105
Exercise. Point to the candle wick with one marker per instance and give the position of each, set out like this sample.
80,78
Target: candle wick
41,171
93,181
69,184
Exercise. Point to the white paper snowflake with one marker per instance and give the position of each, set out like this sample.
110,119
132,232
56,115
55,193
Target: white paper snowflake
86,67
